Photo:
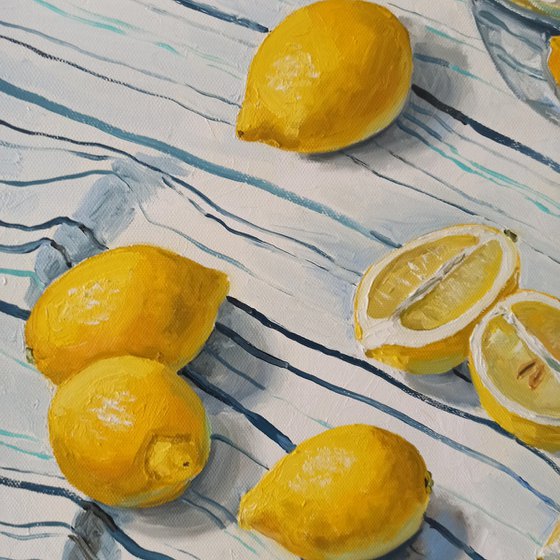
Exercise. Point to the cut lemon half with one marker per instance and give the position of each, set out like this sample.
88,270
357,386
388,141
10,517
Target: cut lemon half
416,308
515,366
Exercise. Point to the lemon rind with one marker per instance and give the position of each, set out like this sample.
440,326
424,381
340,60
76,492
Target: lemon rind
376,333
502,308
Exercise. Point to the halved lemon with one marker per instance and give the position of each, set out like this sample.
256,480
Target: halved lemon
515,366
416,308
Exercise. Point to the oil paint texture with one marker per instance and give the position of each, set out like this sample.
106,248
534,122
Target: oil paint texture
118,128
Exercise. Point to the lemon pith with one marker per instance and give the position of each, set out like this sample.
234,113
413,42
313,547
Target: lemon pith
306,87
515,367
351,492
128,432
415,309
138,300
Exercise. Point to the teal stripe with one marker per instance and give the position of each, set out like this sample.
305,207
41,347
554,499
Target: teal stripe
42,456
17,435
23,274
89,22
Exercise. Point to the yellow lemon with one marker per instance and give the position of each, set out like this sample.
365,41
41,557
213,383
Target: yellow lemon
515,366
139,300
551,549
128,432
416,308
554,59
354,493
331,74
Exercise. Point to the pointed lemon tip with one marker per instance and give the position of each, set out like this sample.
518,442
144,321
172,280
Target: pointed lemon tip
247,510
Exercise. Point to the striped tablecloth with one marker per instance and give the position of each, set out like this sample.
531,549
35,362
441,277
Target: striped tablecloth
116,126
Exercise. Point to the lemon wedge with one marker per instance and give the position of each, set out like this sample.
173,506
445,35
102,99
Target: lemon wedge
551,549
416,308
331,74
350,493
515,366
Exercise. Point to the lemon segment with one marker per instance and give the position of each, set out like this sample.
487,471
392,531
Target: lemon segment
128,432
515,367
353,492
317,86
416,308
138,300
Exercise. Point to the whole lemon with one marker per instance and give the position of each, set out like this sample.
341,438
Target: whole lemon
138,300
128,432
331,74
354,492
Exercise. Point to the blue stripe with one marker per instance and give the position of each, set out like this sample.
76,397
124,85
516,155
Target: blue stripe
282,364
227,441
58,179
223,16
116,532
14,310
192,160
483,130
265,321
118,63
255,419
447,534
111,80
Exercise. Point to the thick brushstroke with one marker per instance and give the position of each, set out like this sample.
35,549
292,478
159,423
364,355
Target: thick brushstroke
362,364
223,16
194,161
447,534
386,409
261,423
14,310
484,130
113,529
110,80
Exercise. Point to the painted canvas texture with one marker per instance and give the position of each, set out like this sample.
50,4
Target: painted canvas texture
279,279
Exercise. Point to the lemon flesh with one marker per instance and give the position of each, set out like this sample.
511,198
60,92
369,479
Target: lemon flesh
416,308
138,300
353,492
515,366
128,432
331,74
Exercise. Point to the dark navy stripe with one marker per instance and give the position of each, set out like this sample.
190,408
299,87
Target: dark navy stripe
223,16
264,320
111,80
60,220
227,441
35,524
282,364
455,541
60,178
116,532
483,130
261,423
30,246
14,310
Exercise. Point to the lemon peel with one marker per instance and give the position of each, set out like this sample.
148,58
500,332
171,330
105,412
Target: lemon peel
139,300
128,432
353,492
315,85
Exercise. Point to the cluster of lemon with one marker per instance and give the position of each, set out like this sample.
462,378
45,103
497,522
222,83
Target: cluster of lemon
452,294
111,333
